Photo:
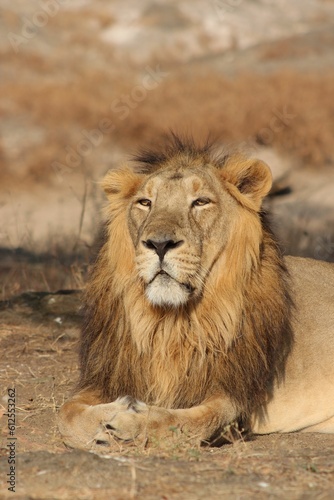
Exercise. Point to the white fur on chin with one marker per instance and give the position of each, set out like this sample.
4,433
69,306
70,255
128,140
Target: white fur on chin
164,291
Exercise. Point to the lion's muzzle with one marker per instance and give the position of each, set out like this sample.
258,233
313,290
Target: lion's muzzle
166,284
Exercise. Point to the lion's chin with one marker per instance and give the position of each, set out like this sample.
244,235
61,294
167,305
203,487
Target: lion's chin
165,291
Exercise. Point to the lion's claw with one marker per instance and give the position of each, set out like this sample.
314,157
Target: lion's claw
132,404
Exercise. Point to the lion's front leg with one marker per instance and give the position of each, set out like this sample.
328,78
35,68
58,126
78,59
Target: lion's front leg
93,426
134,420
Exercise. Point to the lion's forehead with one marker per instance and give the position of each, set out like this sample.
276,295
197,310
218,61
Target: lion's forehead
178,183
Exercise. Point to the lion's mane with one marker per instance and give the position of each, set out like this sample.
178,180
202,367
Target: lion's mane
235,339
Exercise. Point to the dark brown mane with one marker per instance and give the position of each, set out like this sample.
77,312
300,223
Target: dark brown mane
174,145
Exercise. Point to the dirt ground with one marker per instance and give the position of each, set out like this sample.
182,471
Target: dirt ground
39,333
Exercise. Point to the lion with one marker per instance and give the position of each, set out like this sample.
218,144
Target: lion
194,320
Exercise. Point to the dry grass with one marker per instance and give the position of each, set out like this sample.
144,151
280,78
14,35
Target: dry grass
244,108
21,271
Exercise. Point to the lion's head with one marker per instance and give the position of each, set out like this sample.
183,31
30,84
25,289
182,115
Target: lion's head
182,215
189,294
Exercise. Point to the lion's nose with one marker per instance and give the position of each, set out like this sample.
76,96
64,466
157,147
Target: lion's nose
162,247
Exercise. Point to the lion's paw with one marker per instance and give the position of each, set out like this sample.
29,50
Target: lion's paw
124,419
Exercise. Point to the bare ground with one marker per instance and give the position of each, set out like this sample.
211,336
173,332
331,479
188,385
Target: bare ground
39,335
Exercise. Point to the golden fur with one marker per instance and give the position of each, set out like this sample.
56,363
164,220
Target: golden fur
223,337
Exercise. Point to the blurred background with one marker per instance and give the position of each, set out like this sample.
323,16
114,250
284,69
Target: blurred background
84,84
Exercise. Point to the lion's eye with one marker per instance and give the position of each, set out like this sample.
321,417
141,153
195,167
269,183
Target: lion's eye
144,202
200,202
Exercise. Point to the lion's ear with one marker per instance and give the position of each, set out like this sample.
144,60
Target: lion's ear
122,182
251,177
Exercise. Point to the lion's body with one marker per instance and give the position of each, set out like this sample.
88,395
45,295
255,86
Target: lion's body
305,401
188,309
